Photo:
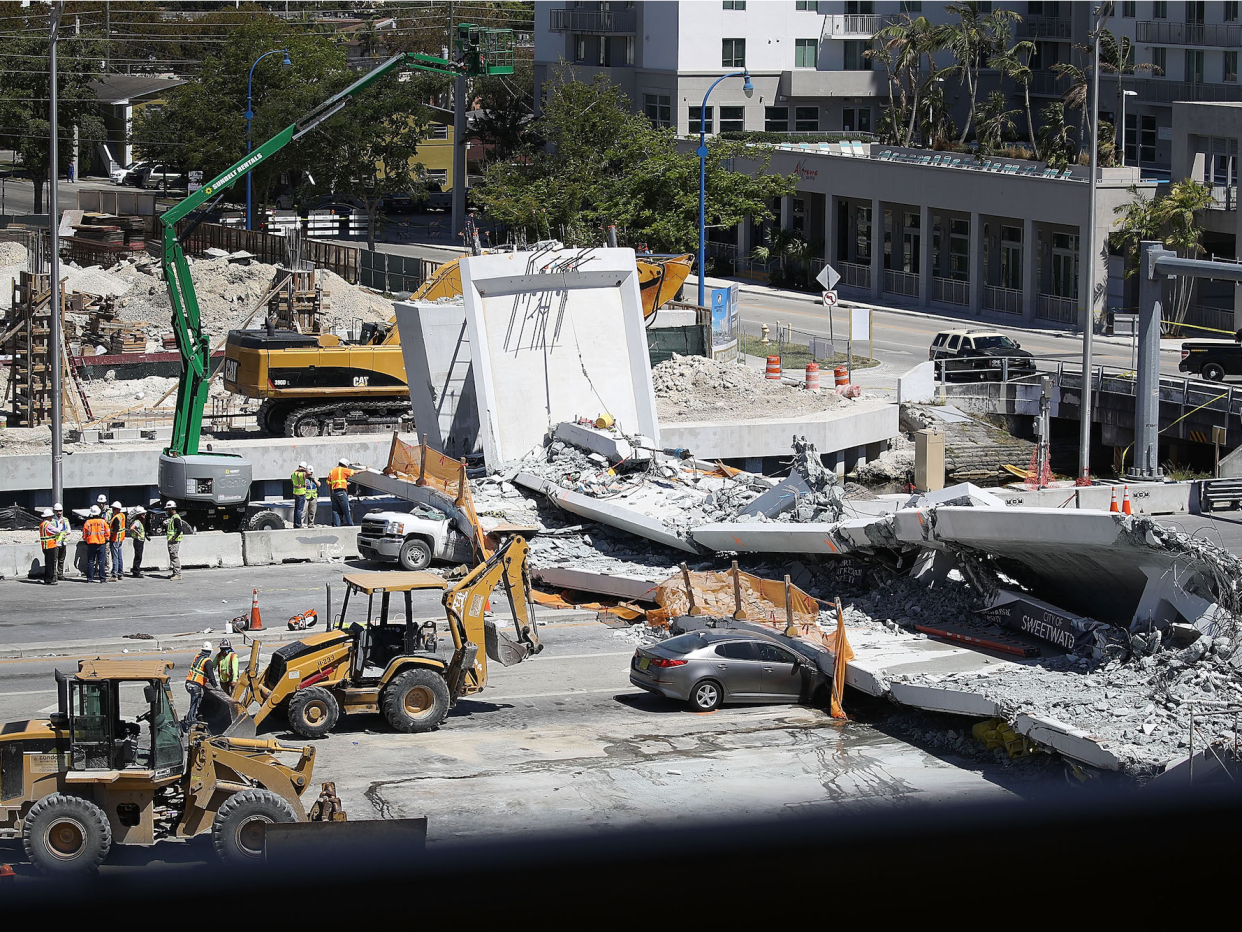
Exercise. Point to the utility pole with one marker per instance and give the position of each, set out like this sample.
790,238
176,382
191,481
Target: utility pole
53,221
459,139
107,35
1100,16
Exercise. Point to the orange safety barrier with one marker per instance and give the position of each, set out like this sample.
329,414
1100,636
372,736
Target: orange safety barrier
812,377
773,373
842,375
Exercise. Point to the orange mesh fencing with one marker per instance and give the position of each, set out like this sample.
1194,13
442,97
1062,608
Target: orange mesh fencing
420,464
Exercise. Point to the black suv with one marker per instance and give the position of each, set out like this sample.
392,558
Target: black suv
978,354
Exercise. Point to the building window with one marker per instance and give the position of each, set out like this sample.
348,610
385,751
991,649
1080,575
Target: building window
862,226
959,250
1065,265
859,6
732,53
735,4
809,6
438,131
1231,66
1194,66
1011,257
629,50
1147,139
806,53
856,120
799,215
659,108
1127,9
864,119
806,119
1160,59
855,57
580,48
1194,12
696,119
437,175
1160,10
732,119
911,7
1231,11
776,119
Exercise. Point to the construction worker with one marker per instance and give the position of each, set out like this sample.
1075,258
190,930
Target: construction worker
138,534
312,495
226,666
101,502
60,525
175,531
95,533
47,540
202,673
299,493
116,540
338,483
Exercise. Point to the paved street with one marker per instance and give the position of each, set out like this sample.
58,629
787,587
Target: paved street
563,742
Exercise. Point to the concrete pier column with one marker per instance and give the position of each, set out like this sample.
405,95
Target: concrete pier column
877,248
830,229
927,244
1029,284
976,262
787,212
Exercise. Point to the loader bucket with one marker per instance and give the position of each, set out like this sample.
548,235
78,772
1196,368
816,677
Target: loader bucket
224,716
501,648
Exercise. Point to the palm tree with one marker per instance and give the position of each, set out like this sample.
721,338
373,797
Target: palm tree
1014,62
993,122
1075,96
1056,137
973,39
1117,57
901,46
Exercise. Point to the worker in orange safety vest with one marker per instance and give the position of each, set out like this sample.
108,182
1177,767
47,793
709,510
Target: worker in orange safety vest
116,538
338,484
95,534
48,541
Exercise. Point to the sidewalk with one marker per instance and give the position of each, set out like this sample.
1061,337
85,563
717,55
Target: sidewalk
788,294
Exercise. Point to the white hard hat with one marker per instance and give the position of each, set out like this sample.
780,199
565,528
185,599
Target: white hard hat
58,507
344,462
116,504
95,511
301,465
170,504
207,646
102,498
140,510
47,512
310,469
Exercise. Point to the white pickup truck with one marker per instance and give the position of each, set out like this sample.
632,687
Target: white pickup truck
413,538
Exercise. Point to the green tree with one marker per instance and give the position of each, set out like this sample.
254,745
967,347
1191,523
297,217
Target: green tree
901,46
1014,63
993,123
590,161
1056,137
1117,57
973,39
25,102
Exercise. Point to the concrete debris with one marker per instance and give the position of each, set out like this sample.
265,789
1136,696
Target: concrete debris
695,388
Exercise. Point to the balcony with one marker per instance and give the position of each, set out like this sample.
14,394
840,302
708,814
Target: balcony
1225,196
1047,27
596,22
1048,84
1158,91
853,25
1167,32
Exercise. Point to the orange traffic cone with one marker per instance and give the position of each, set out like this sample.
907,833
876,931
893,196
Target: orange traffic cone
1113,506
256,620
1125,502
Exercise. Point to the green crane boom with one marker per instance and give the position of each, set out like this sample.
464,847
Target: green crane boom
221,482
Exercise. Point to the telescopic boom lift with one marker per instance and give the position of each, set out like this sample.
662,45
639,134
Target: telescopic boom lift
215,487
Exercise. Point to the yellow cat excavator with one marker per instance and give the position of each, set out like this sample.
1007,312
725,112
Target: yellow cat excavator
385,665
320,384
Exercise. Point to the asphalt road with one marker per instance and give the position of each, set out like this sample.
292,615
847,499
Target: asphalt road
562,742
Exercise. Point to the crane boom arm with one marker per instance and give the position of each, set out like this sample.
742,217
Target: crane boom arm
479,51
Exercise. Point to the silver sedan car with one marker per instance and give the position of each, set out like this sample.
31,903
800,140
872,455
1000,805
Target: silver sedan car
710,667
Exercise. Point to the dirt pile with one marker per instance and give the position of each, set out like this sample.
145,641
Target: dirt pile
694,388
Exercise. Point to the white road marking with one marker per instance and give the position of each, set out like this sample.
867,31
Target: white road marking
540,657
492,697
30,692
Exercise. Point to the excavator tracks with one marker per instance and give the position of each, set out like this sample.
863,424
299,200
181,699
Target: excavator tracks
351,417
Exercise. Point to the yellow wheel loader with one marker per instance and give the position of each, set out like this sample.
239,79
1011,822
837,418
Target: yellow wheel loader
390,666
112,767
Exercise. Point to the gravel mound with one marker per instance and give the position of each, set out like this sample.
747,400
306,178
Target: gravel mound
693,388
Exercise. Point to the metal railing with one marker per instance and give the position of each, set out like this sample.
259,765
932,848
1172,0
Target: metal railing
951,291
901,283
1005,300
862,24
1048,83
1218,318
267,247
786,341
1048,27
1157,90
855,274
1054,307
1225,196
1169,32
593,21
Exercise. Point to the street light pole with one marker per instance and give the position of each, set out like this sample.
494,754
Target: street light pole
53,222
1101,14
250,116
749,90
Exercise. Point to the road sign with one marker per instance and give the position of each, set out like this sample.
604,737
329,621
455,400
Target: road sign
828,277
830,298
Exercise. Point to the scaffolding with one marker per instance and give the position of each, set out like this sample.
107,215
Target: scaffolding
27,342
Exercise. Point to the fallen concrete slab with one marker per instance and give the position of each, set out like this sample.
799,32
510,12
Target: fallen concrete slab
435,346
625,519
1068,740
616,585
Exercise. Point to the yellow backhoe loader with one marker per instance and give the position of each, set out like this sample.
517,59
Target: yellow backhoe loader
319,384
382,665
112,767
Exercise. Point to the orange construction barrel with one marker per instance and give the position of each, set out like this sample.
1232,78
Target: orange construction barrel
774,369
842,376
812,376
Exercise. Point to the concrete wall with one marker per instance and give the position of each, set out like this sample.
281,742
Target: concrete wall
553,345
435,345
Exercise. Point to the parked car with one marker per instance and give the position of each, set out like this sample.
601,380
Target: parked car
437,197
412,538
979,354
711,667
129,173
164,177
397,204
1212,359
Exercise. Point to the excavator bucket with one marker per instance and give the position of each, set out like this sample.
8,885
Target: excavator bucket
501,648
224,716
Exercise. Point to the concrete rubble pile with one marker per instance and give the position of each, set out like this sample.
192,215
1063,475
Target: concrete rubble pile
693,388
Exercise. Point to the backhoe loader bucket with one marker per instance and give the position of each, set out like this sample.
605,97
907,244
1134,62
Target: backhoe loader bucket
501,648
224,716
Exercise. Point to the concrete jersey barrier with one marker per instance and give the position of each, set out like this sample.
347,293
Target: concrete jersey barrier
313,545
